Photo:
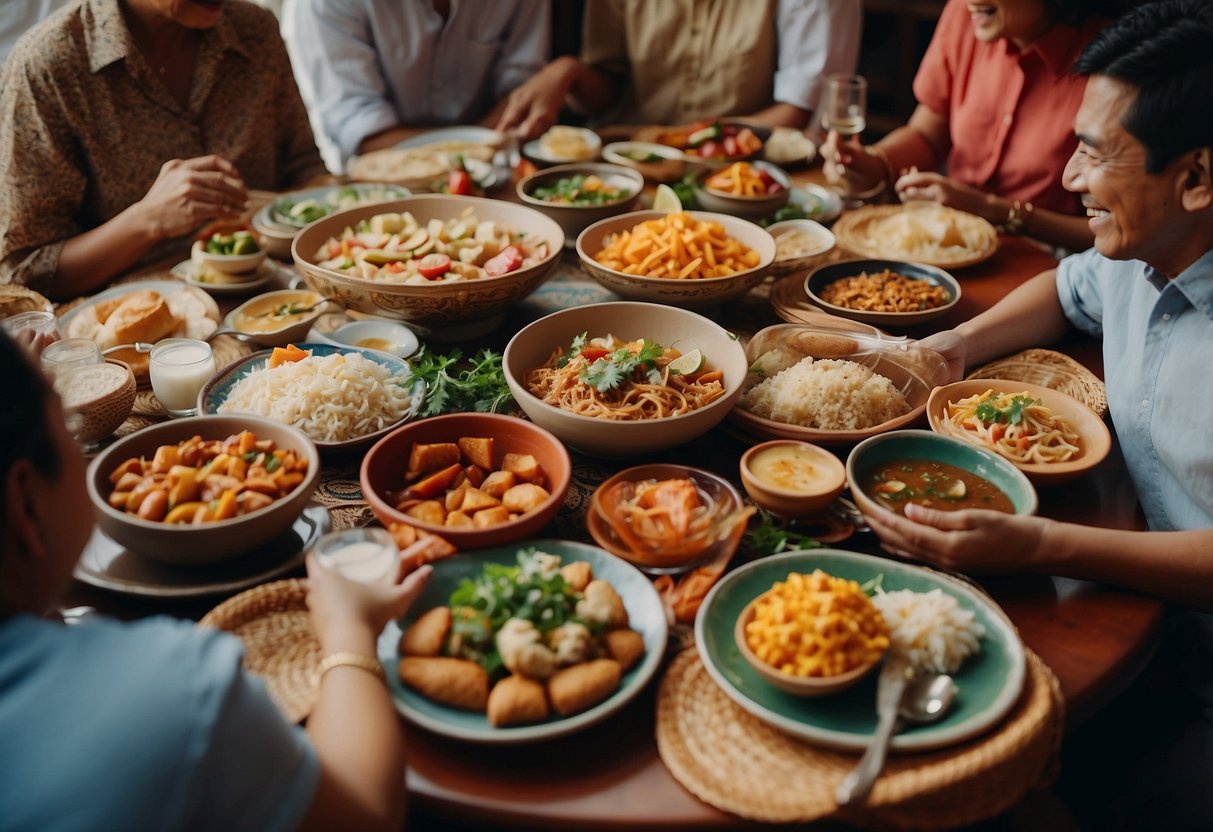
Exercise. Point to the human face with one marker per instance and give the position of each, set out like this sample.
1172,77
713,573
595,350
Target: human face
1134,215
1021,21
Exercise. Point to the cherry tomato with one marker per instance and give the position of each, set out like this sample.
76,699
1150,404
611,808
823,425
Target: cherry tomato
594,353
507,261
459,183
708,150
730,145
434,265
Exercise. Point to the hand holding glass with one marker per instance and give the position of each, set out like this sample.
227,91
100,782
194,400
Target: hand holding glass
366,555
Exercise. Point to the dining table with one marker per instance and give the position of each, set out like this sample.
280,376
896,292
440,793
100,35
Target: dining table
1094,637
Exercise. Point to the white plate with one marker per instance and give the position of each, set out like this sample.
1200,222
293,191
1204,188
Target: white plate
458,133
817,202
264,273
645,615
164,287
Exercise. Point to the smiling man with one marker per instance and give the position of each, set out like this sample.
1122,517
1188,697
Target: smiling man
1142,168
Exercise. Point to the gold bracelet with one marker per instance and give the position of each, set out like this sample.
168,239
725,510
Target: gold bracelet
1016,222
349,659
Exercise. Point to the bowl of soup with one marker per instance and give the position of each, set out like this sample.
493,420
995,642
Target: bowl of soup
892,470
790,478
276,319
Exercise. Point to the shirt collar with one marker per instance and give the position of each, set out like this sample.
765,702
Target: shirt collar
109,41
1058,47
1196,284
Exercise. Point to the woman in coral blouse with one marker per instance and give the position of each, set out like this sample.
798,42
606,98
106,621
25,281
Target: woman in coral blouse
996,105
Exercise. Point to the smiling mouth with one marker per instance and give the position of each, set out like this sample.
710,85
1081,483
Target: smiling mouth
982,13
1095,210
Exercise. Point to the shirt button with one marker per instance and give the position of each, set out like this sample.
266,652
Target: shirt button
1145,402
1166,316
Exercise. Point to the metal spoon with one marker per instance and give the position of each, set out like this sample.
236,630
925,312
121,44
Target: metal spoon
901,697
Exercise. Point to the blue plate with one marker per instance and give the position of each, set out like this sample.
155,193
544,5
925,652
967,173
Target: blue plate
219,388
645,615
988,683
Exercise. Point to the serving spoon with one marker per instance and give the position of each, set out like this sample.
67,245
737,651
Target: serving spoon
901,697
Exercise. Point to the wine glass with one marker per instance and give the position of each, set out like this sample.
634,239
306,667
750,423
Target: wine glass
844,108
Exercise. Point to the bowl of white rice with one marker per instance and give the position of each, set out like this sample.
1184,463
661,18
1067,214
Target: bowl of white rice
829,384
342,398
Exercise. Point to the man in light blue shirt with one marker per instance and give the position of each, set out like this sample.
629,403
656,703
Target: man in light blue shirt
372,72
1142,167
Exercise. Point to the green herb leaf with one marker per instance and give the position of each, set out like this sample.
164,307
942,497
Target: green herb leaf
767,536
480,387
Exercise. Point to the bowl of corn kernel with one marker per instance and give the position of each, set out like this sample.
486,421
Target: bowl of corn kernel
812,635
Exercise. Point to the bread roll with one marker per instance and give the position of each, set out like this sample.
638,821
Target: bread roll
427,634
142,315
458,683
583,685
517,700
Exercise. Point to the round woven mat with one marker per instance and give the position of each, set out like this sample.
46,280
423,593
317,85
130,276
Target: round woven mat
739,764
279,646
854,230
1050,369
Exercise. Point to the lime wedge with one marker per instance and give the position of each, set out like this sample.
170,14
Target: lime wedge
687,363
666,199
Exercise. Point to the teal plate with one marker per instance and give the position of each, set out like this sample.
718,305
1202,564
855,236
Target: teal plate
988,683
215,392
645,616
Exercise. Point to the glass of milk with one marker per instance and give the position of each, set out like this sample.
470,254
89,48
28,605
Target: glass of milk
366,555
179,369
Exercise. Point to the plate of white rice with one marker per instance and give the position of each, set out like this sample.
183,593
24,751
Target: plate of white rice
342,397
939,621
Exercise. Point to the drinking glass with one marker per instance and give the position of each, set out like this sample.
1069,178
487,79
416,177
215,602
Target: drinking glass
41,323
179,368
68,353
366,555
844,109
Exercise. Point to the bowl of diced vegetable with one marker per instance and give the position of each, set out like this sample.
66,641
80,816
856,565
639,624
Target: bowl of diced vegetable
743,189
579,195
231,250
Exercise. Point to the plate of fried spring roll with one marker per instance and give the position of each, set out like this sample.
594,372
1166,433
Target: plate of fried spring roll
499,650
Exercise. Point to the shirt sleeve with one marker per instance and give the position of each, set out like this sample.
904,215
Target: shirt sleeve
527,46
257,772
1080,292
45,177
339,72
816,38
933,83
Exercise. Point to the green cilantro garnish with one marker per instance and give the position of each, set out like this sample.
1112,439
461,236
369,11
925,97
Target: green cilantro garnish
619,365
1012,414
480,387
768,537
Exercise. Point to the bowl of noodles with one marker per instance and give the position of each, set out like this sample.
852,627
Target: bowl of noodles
1049,435
833,382
921,232
625,379
887,293
452,265
691,259
342,398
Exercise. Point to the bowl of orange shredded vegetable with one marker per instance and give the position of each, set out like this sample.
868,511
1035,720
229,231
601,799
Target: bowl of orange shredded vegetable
667,518
744,189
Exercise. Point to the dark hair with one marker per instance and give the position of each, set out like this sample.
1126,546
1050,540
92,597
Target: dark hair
24,416
1077,12
1165,50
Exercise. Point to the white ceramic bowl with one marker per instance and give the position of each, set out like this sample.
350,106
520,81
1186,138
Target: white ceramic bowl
813,231
574,219
689,294
751,207
385,336
667,325
228,263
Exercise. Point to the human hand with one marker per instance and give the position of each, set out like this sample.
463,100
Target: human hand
534,105
973,540
929,186
34,342
342,609
951,345
189,192
850,162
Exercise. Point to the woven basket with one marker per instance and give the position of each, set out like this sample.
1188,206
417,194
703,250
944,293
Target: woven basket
739,764
279,646
1050,369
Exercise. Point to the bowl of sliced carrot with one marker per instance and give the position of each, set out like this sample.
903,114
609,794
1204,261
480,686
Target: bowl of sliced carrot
691,259
744,189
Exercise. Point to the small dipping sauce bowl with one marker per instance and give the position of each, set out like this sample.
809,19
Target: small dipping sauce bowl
621,521
97,397
179,368
790,478
365,555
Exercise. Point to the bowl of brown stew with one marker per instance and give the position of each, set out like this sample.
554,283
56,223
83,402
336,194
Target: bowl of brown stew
892,470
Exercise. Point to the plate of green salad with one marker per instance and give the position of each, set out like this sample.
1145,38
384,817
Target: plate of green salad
300,208
486,588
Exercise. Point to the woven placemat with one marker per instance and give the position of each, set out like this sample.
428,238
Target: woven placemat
279,646
739,764
1052,369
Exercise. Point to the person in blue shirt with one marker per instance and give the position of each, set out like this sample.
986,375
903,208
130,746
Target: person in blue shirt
154,724
1142,167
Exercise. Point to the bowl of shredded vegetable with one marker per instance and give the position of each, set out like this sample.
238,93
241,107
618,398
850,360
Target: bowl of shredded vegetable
579,195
